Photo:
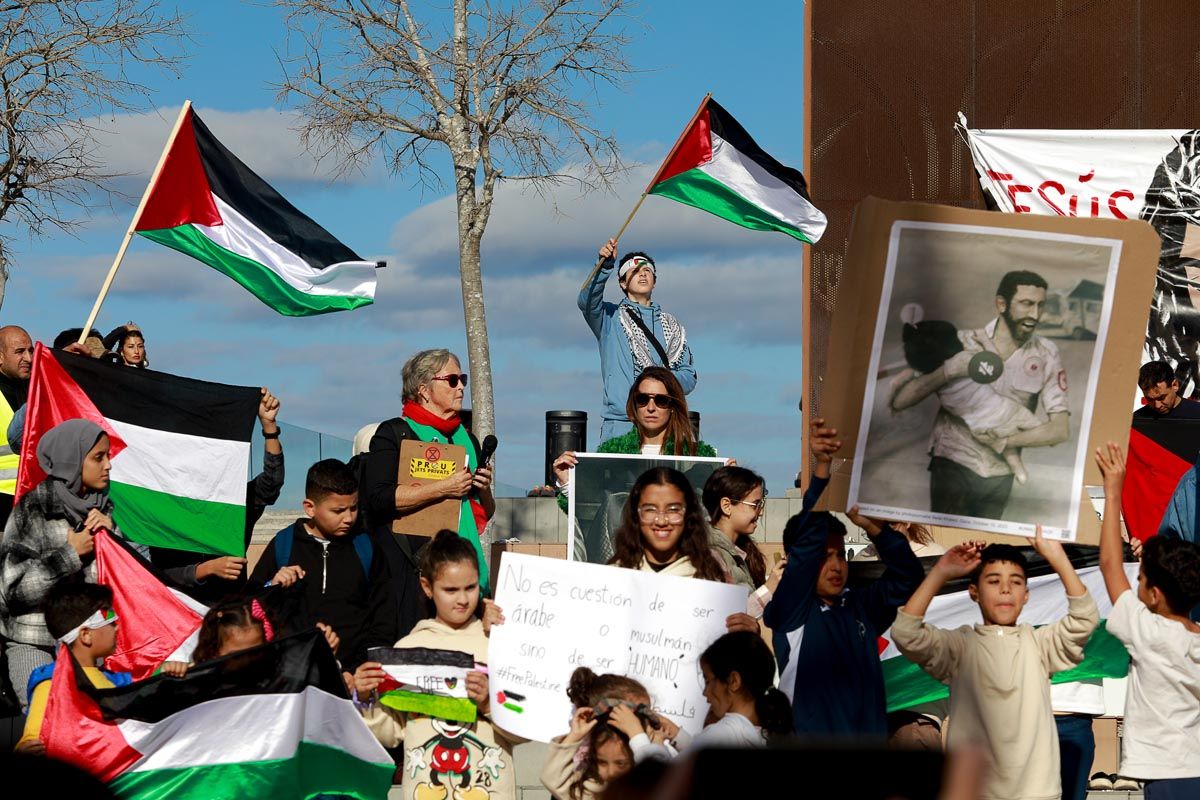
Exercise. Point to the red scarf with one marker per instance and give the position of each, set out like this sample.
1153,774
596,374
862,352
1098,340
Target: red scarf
423,416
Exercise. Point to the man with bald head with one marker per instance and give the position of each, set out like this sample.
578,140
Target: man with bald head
16,361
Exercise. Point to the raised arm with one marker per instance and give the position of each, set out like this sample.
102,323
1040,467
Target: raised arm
1111,461
903,575
1062,643
591,295
957,562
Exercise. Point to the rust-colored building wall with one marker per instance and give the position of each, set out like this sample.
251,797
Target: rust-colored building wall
888,80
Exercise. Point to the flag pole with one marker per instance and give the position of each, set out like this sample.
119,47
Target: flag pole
112,271
661,167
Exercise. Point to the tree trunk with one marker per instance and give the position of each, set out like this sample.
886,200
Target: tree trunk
483,411
3,272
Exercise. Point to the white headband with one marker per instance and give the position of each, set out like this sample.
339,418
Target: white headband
96,620
632,263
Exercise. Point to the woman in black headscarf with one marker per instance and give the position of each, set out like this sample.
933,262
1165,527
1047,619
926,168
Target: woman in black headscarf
48,539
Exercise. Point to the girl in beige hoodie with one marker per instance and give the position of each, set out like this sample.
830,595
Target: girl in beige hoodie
445,760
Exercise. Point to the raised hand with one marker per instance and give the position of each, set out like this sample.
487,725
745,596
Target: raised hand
1049,549
626,721
1111,461
492,615
871,526
960,560
562,467
741,621
822,441
608,249
582,722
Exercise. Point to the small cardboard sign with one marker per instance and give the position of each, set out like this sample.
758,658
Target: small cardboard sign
422,463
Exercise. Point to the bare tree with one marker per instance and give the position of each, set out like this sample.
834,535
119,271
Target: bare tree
62,64
500,86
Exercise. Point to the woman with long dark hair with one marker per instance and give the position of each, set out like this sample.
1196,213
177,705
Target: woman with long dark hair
735,498
663,529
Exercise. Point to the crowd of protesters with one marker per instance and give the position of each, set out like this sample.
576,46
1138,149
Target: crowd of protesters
801,663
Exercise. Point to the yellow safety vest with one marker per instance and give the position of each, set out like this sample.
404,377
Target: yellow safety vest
9,461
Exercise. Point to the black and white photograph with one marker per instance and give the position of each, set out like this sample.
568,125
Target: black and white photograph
982,377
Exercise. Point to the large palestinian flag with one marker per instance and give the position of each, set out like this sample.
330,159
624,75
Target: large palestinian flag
908,685
180,447
717,167
1161,451
269,722
207,204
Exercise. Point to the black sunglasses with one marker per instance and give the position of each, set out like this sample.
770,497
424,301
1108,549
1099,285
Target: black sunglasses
642,399
452,380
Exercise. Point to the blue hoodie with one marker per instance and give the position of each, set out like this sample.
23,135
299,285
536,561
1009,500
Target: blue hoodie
616,361
828,655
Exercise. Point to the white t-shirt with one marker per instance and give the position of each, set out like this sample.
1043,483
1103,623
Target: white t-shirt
1162,702
731,730
651,449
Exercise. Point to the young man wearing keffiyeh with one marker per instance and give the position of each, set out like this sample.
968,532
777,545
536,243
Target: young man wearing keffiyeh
625,348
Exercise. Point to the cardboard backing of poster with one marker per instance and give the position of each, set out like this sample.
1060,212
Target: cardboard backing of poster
853,334
429,462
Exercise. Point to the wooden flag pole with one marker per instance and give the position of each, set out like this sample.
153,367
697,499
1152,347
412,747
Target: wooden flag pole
674,149
137,216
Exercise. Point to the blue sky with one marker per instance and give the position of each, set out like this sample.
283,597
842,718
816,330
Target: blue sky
736,291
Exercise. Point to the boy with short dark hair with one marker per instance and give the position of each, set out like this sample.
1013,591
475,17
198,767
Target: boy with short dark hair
826,635
999,672
336,575
1161,743
80,616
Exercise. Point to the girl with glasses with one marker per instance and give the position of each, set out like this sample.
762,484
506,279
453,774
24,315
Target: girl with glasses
735,499
663,530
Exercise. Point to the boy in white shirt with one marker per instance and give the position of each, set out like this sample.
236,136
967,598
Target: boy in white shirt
1162,701
999,672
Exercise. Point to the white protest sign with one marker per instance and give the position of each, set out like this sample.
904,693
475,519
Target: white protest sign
560,615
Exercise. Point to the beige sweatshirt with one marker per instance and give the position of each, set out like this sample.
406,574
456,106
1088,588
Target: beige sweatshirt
999,679
680,567
559,773
436,751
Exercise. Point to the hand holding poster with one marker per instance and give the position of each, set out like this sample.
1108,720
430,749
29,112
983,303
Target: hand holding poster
560,615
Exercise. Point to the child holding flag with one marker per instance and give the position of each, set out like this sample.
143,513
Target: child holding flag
1161,744
80,617
442,757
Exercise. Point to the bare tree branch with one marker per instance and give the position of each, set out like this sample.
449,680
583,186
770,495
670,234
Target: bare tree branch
506,89
63,63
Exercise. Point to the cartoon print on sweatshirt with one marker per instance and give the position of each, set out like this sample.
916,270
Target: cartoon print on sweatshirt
449,759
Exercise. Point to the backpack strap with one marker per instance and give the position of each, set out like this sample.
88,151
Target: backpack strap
283,545
365,551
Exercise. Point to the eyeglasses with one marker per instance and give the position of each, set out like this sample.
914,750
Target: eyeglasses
452,380
757,505
642,399
673,514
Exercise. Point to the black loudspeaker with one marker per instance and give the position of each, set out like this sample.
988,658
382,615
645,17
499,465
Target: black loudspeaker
694,418
565,430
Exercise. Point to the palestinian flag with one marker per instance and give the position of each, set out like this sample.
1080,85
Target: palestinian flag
718,168
908,685
426,681
180,447
156,623
269,722
207,204
1161,451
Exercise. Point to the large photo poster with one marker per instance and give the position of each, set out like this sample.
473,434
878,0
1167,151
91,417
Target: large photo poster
982,378
1152,175
599,486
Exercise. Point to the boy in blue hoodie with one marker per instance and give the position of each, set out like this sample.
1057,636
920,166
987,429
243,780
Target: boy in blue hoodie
825,635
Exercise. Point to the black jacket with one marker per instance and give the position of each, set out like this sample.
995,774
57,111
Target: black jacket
335,590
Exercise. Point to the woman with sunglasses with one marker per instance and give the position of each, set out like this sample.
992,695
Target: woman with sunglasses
434,386
659,411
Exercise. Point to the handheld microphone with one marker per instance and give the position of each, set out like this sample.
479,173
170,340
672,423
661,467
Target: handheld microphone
487,449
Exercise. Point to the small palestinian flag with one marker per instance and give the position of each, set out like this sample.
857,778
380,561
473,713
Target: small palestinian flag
180,448
718,168
157,623
422,680
273,721
1161,451
907,685
207,204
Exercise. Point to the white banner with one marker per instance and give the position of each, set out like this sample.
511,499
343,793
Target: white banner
1117,174
560,615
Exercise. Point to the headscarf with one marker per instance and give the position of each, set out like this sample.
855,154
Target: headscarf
60,453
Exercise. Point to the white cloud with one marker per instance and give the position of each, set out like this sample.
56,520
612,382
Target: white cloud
266,139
